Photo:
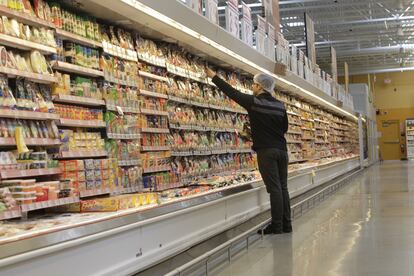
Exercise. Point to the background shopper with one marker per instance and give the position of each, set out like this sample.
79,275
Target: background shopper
269,123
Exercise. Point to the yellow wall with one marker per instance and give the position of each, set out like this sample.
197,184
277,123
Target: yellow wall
395,101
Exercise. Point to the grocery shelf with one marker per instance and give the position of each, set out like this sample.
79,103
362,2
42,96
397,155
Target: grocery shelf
9,214
119,81
202,152
155,130
153,94
95,192
116,51
9,174
28,115
181,153
72,68
155,148
181,127
157,169
198,104
31,142
48,204
219,151
83,154
65,35
294,132
152,76
25,18
81,123
292,113
39,78
61,98
126,163
130,190
22,44
124,109
153,60
185,73
178,100
154,112
294,142
119,136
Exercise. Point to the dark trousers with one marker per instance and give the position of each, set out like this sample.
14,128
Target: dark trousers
273,166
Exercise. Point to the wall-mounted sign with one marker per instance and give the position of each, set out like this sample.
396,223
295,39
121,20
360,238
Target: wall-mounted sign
310,39
346,77
232,20
195,5
247,25
271,42
212,11
261,24
334,65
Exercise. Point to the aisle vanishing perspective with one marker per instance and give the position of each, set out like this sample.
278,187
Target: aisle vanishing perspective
367,228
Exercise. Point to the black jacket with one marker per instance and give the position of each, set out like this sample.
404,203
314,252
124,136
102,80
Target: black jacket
268,117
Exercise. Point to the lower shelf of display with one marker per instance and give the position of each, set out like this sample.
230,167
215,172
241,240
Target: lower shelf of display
210,152
95,192
62,98
9,174
31,142
126,163
38,78
201,128
155,130
118,136
80,70
152,94
123,109
155,148
81,123
156,169
27,115
10,214
153,112
83,154
48,204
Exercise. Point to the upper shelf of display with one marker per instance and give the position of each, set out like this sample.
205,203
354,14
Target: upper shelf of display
181,24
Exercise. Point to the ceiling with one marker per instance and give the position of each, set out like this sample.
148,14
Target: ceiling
371,36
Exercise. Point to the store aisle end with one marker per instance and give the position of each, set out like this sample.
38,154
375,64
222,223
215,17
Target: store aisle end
367,228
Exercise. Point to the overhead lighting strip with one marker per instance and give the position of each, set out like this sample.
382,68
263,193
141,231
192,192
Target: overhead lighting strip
165,19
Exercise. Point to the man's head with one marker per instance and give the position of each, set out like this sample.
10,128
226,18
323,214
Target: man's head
263,82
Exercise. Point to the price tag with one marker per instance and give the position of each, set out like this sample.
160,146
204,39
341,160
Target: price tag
120,111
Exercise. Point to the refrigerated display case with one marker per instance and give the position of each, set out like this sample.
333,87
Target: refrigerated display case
147,158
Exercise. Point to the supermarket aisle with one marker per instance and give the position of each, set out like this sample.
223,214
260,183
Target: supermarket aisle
365,229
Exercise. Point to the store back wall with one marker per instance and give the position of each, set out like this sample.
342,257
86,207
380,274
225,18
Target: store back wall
394,98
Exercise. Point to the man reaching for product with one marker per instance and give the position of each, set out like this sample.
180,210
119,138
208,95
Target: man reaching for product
269,123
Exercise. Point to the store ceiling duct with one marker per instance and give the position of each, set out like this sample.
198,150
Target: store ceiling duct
375,28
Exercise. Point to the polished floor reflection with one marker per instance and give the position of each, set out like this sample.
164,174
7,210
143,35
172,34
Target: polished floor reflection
367,228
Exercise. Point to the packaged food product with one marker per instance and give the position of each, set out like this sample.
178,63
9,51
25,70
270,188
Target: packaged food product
100,205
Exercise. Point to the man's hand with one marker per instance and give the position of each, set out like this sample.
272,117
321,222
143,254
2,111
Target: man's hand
210,73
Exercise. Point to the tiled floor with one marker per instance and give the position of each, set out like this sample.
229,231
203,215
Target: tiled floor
367,228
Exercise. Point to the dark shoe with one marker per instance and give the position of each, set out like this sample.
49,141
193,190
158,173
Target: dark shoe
287,229
269,230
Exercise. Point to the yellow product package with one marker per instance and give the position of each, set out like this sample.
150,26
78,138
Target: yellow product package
109,204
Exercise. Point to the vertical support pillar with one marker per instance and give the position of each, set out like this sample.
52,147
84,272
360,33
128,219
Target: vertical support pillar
361,140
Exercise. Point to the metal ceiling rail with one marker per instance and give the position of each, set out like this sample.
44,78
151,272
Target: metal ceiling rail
206,257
